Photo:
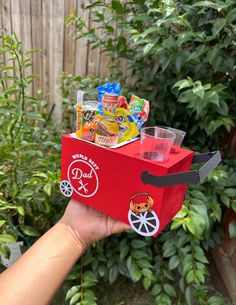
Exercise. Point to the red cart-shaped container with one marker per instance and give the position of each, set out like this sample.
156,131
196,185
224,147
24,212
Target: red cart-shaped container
115,181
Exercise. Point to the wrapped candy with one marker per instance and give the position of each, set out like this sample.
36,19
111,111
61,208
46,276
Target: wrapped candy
108,88
139,109
127,125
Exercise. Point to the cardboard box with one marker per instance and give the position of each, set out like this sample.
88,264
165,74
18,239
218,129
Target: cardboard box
118,183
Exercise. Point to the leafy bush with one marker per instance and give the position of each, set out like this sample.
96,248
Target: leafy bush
30,152
181,56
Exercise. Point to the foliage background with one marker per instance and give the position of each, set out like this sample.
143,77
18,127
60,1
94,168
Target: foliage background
181,56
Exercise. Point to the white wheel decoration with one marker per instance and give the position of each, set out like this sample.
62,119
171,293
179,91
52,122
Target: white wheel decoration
66,188
146,223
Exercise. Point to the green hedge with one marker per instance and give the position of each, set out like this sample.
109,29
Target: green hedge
180,56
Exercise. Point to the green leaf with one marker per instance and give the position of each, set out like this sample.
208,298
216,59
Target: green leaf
2,222
190,277
7,238
200,256
156,289
169,290
233,205
48,188
209,4
21,210
147,273
225,200
134,271
75,298
34,116
138,243
4,251
138,254
148,48
169,251
230,192
30,231
188,296
174,262
147,283
41,175
89,6
199,91
183,83
117,6
71,292
143,263
25,193
102,270
218,25
121,44
200,276
232,229
124,252
89,276
214,300
113,273
110,29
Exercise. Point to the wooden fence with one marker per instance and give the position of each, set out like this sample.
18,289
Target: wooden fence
40,25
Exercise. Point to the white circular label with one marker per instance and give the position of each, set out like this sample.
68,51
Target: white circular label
83,178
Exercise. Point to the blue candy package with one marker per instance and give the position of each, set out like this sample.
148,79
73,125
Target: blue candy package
108,88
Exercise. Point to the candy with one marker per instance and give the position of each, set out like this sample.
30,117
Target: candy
139,109
107,132
109,88
127,126
89,111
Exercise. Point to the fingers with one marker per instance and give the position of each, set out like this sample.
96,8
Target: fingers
119,227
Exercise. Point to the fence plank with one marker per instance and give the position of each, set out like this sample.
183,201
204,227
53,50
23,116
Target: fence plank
81,47
69,43
6,16
57,61
25,17
7,27
37,43
45,36
39,24
94,54
15,17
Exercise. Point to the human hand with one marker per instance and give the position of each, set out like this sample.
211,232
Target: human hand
88,225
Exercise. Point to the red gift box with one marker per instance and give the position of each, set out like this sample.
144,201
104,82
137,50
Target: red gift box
145,194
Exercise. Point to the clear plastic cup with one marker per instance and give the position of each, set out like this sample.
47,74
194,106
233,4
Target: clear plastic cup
156,143
180,134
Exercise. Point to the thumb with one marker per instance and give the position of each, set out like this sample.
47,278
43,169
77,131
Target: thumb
119,227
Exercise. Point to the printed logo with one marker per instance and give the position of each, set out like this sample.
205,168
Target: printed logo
82,176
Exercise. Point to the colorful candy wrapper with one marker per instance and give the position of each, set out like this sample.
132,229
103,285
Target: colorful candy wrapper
127,125
139,109
110,88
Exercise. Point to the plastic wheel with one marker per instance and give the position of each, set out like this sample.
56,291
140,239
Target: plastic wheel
146,223
66,188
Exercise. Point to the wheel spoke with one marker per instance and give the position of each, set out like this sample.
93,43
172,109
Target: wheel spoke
140,226
151,225
150,218
146,227
135,221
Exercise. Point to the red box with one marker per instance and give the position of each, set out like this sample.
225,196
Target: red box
110,180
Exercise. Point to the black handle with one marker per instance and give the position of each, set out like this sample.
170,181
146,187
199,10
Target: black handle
210,159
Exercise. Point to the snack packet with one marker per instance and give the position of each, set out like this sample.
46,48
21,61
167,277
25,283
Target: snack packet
127,125
89,120
139,109
78,109
109,88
